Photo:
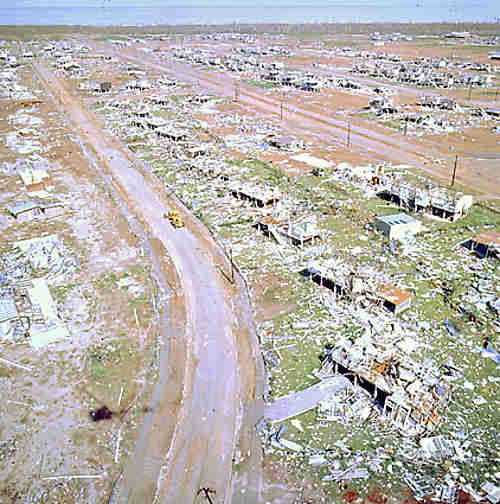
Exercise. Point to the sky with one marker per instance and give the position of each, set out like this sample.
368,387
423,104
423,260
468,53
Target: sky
235,3
491,6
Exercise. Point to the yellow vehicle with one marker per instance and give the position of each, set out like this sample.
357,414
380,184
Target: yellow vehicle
175,219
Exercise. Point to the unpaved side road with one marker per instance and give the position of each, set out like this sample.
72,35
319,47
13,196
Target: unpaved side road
201,451
364,137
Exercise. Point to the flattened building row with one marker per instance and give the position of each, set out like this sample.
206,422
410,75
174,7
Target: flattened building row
411,395
431,199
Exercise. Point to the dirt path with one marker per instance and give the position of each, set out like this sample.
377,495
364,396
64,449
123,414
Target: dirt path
200,453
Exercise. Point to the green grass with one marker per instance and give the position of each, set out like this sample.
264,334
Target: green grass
61,292
258,256
261,84
307,31
345,43
108,361
396,125
106,38
243,220
109,281
475,48
97,105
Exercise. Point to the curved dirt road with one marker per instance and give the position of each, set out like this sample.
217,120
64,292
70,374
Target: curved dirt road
201,452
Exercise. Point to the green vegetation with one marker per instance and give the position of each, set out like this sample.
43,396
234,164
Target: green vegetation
61,292
112,37
113,360
97,105
307,31
297,338
260,84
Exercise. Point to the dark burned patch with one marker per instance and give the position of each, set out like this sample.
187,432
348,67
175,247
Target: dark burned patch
103,413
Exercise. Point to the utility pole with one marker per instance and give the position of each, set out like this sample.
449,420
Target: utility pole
236,90
406,125
496,96
454,171
470,90
232,264
281,111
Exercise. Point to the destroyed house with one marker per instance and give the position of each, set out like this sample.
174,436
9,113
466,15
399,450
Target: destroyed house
412,396
298,231
25,211
395,299
155,122
175,135
271,75
8,316
35,177
285,142
39,311
448,204
301,230
436,200
104,87
440,102
382,106
195,151
339,277
485,244
141,112
209,169
458,35
140,85
309,84
200,99
52,208
167,82
290,79
398,227
158,100
495,113
8,310
347,281
260,195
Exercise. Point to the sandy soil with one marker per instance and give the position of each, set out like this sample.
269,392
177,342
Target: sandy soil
45,407
207,420
366,138
190,425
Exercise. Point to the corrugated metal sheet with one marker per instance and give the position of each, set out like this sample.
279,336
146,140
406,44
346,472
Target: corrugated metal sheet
8,309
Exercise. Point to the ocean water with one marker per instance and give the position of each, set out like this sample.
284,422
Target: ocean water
417,11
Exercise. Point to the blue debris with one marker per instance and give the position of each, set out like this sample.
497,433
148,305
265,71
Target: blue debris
491,353
450,328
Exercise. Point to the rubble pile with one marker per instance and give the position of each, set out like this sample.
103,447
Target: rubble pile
424,74
424,416
449,119
28,309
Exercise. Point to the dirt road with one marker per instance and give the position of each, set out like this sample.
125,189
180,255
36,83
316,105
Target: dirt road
366,138
369,141
200,453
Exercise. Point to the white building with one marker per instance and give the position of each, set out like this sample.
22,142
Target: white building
398,227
